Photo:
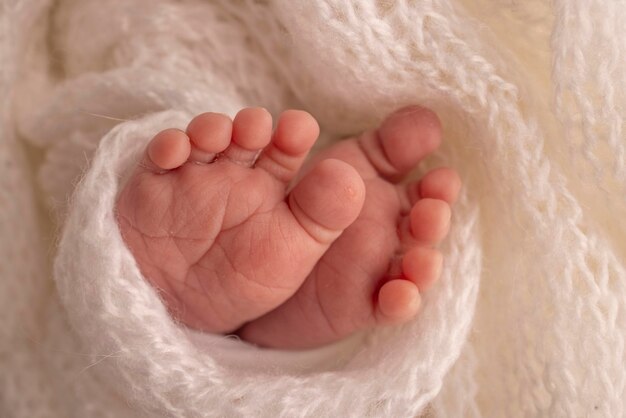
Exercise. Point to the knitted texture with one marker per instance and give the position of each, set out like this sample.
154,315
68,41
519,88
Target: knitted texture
532,96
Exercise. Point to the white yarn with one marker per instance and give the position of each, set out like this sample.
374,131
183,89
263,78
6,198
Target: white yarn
533,98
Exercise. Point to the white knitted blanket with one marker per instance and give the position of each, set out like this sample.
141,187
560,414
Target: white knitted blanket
529,318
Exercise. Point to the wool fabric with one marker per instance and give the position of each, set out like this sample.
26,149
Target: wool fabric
529,317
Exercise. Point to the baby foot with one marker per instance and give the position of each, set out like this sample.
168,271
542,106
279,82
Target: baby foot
211,225
373,274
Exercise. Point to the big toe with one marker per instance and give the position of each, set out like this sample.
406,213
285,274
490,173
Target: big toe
328,199
404,138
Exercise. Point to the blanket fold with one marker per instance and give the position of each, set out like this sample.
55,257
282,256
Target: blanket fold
532,97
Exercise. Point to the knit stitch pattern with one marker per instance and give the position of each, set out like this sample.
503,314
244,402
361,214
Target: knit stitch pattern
529,317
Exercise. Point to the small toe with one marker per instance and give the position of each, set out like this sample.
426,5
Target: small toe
210,134
403,139
252,131
440,183
422,266
169,149
430,221
294,136
327,199
398,301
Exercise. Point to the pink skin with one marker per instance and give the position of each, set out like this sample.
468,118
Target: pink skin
211,225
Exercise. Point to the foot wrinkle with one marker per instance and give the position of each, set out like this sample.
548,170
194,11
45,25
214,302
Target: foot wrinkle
254,214
370,161
228,296
190,219
278,163
140,232
190,308
295,202
203,290
188,262
239,274
164,274
161,192
185,275
404,201
141,179
365,273
321,305
164,285
381,149
253,158
169,236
